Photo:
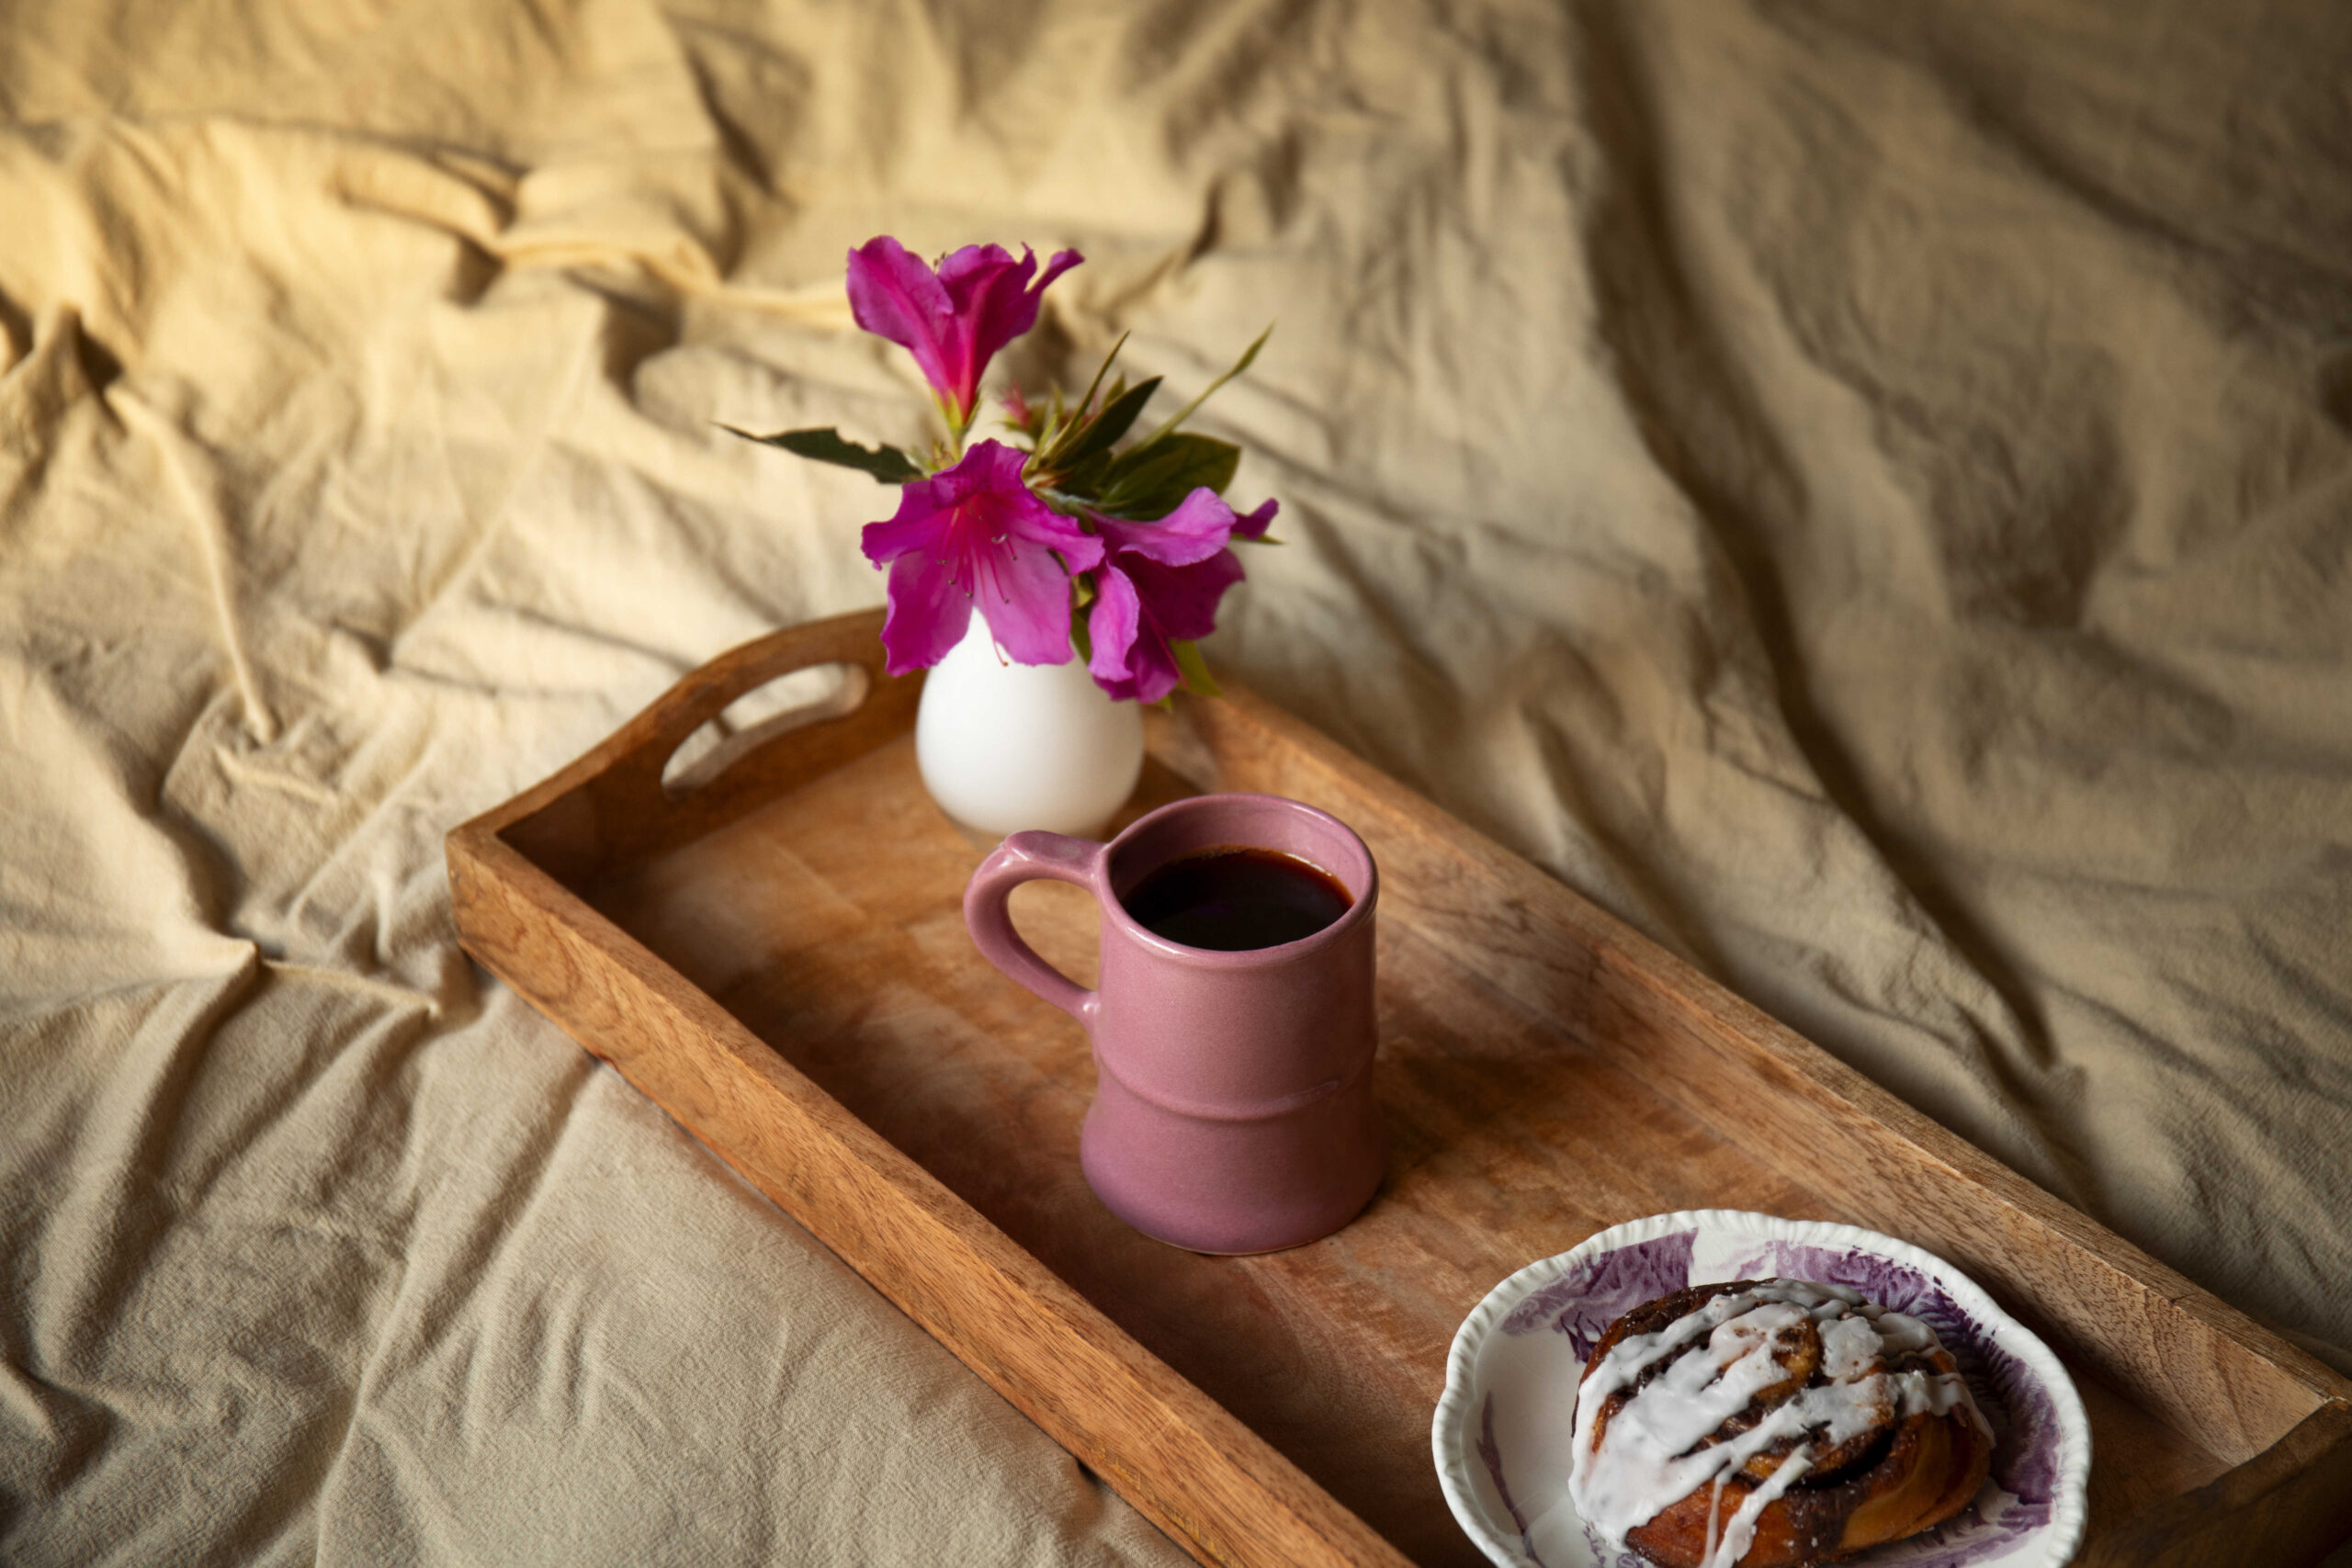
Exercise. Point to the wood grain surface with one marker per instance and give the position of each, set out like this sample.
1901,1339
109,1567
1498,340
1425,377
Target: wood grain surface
778,957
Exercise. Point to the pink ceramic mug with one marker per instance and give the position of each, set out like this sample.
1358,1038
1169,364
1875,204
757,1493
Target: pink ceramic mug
1233,1108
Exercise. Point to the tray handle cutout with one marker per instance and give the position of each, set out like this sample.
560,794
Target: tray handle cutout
785,703
652,786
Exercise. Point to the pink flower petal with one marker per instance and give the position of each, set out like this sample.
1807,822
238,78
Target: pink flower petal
963,271
928,613
1025,597
893,294
1253,525
972,536
1151,673
954,320
915,528
1180,602
1002,507
1142,606
989,466
1197,530
992,296
1111,626
1080,551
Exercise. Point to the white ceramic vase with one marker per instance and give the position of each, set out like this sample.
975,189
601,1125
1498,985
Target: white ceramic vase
1005,747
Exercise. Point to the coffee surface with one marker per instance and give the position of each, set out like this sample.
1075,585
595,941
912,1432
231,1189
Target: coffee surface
1236,897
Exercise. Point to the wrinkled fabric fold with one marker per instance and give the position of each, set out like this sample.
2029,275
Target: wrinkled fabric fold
1861,492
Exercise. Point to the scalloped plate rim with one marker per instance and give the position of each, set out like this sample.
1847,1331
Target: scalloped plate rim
2071,1503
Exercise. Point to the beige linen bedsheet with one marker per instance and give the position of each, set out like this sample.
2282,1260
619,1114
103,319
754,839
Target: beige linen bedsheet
1869,500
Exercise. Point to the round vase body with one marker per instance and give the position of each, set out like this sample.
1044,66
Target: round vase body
1004,747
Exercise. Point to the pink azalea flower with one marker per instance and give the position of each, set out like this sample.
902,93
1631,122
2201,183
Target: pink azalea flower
974,535
954,320
1159,584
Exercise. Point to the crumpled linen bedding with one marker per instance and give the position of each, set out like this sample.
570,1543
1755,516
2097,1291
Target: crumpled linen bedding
1864,492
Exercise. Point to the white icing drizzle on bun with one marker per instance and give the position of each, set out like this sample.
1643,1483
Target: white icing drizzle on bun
1653,1456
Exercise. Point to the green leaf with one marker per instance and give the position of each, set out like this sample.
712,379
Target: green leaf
1101,371
1150,482
1112,423
1083,480
886,464
1081,640
1194,668
1077,414
1249,356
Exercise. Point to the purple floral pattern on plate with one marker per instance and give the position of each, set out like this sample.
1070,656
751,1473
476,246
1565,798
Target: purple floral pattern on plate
1583,1302
2029,1512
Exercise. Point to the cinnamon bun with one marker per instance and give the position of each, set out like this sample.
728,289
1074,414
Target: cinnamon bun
1769,1424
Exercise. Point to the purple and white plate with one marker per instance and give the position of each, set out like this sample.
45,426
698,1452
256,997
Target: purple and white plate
1505,1426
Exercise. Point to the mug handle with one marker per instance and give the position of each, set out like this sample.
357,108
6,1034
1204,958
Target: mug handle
1026,857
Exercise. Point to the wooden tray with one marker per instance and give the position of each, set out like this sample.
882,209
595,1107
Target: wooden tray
770,945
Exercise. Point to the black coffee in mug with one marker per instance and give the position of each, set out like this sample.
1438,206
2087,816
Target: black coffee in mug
1235,897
